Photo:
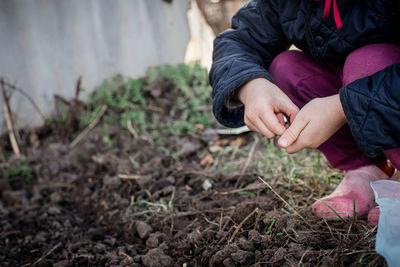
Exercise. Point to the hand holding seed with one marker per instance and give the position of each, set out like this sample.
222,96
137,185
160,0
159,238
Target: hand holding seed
315,123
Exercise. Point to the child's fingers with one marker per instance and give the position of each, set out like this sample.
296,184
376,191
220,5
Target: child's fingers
272,122
289,109
251,126
280,118
257,126
263,129
292,133
295,147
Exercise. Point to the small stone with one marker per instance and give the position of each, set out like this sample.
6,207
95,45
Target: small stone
99,248
143,229
144,180
228,262
54,210
194,237
155,257
14,197
189,148
242,257
223,254
154,239
111,181
41,237
168,190
206,185
111,241
55,197
279,255
73,247
209,135
245,244
170,179
254,236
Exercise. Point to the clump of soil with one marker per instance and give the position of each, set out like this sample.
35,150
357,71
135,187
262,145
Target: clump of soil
138,204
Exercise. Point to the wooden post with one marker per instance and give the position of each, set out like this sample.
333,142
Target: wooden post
9,122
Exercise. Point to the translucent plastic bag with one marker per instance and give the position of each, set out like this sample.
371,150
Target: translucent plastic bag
387,196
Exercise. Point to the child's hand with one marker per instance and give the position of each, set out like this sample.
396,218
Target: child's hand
265,105
314,124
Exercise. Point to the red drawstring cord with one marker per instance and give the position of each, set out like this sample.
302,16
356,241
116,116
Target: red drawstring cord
336,14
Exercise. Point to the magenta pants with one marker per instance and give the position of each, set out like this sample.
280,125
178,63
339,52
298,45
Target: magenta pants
303,79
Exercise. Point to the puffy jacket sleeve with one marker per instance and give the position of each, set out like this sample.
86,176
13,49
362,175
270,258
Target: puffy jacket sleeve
244,53
372,109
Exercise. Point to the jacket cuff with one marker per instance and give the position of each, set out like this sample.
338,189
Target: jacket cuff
233,116
356,126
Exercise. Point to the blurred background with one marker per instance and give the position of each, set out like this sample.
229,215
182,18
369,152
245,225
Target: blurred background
47,45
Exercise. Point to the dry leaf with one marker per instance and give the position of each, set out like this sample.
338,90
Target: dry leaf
188,188
238,142
222,142
104,204
206,160
215,148
199,127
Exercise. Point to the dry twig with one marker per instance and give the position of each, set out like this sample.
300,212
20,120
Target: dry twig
129,176
253,147
89,128
233,131
9,121
210,222
47,253
255,211
190,213
6,234
25,94
131,129
247,188
284,201
126,255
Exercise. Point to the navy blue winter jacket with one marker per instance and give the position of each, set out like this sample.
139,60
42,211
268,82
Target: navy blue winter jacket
264,28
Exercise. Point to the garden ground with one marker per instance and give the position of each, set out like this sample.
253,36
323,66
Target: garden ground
154,184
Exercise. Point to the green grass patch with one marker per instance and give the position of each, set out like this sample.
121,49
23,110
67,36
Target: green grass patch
168,100
20,170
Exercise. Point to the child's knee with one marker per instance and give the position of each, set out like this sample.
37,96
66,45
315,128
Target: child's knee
368,60
285,63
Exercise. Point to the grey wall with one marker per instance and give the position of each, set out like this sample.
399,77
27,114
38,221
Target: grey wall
45,45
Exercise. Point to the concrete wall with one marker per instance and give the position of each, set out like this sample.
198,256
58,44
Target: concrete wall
45,45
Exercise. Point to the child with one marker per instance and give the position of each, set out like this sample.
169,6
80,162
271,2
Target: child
340,92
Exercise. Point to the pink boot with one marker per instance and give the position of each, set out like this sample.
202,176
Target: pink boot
373,215
355,185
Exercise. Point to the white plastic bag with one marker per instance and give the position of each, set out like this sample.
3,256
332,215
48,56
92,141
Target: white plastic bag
387,196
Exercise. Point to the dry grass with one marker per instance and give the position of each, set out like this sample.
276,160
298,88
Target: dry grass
299,179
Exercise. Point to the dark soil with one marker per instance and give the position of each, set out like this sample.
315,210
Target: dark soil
136,204
75,212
